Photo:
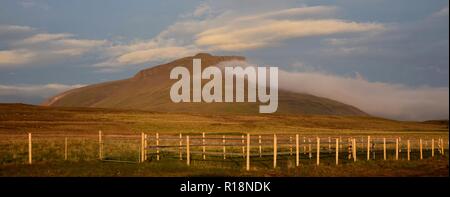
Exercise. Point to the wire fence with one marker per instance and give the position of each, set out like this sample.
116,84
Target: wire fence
249,150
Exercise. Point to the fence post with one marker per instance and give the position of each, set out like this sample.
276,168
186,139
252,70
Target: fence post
142,147
337,151
318,151
224,147
408,151
442,146
248,152
188,153
368,148
297,156
203,146
304,146
432,147
309,148
243,147
65,149
260,147
274,151
329,144
354,149
100,145
384,148
180,149
145,146
157,146
30,154
420,147
396,148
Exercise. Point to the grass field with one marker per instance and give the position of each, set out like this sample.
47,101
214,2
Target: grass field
50,125
171,168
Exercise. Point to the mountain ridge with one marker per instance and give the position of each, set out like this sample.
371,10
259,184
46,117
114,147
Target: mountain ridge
149,90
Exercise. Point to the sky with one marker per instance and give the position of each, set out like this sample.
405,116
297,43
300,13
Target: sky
388,58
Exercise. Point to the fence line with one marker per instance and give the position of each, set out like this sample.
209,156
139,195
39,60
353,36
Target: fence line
254,146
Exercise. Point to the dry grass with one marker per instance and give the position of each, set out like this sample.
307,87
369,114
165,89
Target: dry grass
50,125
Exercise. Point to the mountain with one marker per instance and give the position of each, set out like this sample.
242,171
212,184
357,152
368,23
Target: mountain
149,89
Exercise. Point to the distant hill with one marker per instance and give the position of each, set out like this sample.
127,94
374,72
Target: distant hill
149,90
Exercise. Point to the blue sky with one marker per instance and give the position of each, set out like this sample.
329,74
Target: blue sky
396,52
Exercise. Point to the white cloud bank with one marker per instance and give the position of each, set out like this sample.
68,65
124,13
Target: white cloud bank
388,100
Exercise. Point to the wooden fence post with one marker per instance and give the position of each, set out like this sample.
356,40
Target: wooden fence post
65,149
157,146
318,151
349,148
408,151
304,146
432,147
442,146
142,147
30,151
203,146
309,148
180,149
275,151
396,148
384,149
329,144
224,147
100,145
337,151
354,149
248,152
420,147
242,145
368,148
297,156
260,147
188,153
145,146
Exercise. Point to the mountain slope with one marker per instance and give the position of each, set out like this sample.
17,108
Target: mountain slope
149,90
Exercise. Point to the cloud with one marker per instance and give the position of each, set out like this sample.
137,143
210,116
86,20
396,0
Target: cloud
441,13
45,37
202,10
143,52
207,28
44,48
33,4
312,11
15,57
259,34
229,30
13,29
35,94
388,100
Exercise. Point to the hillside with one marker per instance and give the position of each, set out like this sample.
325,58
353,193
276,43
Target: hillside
149,90
20,118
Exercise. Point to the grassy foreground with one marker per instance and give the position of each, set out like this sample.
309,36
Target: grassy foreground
50,125
169,168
